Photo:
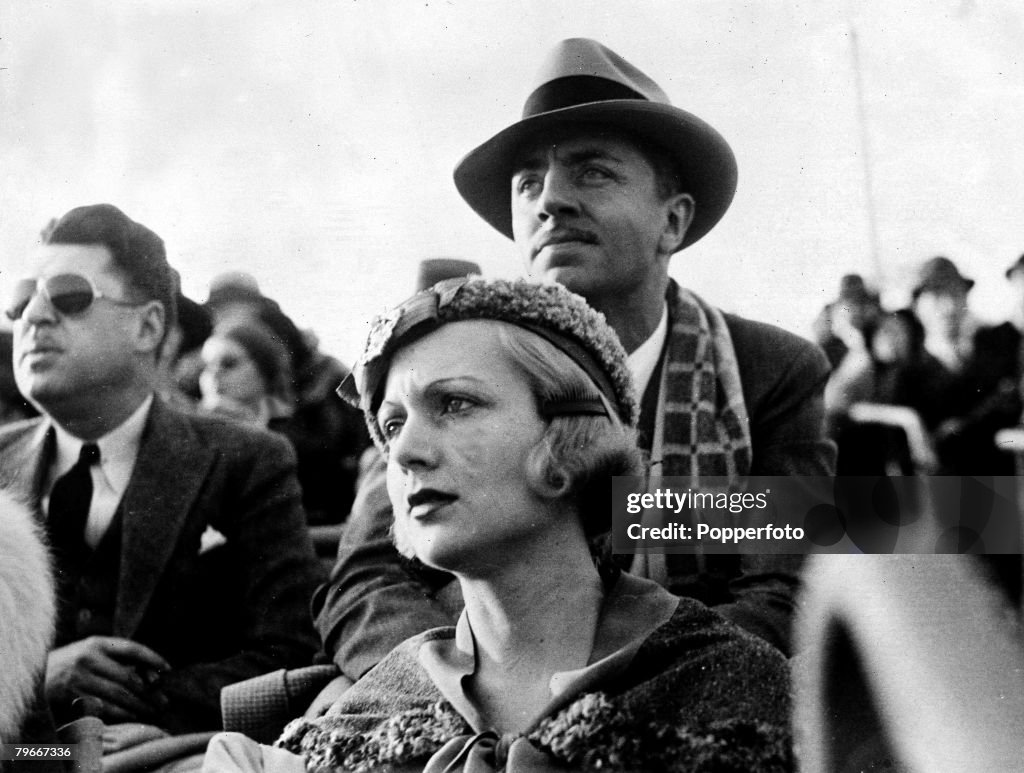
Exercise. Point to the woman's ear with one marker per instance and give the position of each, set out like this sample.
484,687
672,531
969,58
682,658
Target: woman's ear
679,211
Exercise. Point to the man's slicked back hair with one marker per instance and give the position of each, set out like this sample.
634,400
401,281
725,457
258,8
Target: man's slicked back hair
136,251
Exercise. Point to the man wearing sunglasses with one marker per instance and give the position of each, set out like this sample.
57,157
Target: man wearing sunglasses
179,542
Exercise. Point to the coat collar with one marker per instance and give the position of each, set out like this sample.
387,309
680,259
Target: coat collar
169,472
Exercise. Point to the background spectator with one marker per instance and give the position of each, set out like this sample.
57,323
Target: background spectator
329,436
983,367
245,374
894,369
13,406
855,310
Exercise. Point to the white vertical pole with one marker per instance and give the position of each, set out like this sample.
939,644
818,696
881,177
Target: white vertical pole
865,145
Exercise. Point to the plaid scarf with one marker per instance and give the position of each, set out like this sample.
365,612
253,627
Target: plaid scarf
702,428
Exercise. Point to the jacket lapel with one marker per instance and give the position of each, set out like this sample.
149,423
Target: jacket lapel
169,471
24,463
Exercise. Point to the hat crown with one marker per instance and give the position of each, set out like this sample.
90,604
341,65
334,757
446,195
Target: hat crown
939,273
597,73
940,268
853,287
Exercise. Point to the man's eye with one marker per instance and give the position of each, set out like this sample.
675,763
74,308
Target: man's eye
594,174
527,185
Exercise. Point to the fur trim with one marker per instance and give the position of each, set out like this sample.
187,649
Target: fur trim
27,611
595,732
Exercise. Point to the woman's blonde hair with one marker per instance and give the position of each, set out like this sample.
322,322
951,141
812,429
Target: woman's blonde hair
577,455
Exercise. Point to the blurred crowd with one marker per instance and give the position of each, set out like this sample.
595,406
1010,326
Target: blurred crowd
957,380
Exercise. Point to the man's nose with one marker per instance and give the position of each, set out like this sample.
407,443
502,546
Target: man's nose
38,310
558,194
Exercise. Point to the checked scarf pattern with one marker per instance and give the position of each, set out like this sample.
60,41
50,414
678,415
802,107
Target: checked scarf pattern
703,422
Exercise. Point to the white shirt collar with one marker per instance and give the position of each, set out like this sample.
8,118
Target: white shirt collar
118,449
644,360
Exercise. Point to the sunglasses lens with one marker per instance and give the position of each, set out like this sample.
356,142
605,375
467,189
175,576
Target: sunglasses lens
69,293
23,292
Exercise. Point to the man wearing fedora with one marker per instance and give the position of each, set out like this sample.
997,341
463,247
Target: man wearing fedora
599,184
984,367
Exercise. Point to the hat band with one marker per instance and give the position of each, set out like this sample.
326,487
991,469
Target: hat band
424,313
576,90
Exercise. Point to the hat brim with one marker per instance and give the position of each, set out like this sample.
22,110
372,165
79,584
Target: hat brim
939,286
705,160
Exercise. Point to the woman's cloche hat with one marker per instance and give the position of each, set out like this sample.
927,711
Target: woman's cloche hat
584,82
550,311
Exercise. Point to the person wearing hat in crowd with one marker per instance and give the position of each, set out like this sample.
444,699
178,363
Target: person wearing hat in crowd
940,301
854,314
983,364
982,395
599,184
503,408
182,558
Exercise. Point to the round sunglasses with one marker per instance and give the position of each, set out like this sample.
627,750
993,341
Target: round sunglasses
68,293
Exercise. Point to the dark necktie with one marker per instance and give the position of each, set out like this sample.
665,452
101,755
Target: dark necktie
69,502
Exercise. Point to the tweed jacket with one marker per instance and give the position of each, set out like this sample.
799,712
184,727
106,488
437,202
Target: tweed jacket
218,614
371,603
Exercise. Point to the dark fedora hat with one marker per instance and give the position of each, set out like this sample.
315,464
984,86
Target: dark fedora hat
584,82
938,274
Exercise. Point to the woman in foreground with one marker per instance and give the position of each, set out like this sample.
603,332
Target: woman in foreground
504,409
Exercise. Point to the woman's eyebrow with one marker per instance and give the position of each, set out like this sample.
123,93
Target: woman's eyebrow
441,383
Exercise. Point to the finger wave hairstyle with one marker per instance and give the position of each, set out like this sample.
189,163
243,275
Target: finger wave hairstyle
577,456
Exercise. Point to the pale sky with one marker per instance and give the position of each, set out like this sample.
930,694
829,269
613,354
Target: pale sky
311,144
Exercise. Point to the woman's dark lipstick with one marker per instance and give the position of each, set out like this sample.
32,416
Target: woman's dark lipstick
427,500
